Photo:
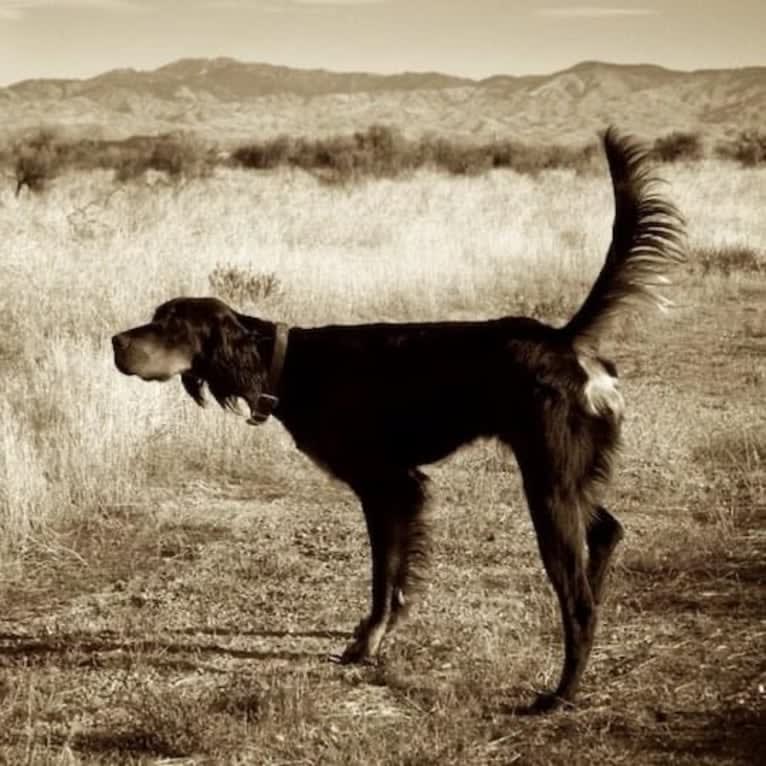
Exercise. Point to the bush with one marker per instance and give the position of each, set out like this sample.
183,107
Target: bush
265,156
36,161
454,157
378,151
239,286
179,157
729,259
748,148
678,147
529,159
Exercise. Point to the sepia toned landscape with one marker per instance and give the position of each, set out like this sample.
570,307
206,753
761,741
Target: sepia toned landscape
175,582
233,100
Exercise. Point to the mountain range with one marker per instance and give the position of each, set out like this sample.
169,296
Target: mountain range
230,100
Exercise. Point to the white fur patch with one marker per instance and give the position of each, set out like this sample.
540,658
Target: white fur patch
240,407
602,392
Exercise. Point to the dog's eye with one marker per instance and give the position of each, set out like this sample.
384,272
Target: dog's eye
176,328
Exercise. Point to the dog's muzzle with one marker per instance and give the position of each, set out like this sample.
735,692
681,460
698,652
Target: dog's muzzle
136,357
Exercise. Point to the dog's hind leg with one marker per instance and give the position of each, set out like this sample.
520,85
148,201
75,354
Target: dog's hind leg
560,536
603,535
393,506
556,505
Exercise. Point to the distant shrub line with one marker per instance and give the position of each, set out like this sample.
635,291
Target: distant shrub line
379,151
749,148
383,152
728,260
37,159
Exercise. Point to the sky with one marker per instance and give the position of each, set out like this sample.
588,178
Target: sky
473,38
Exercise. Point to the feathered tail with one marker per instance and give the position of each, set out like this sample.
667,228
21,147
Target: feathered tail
648,237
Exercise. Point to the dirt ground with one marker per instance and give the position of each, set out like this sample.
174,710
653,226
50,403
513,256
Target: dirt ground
197,624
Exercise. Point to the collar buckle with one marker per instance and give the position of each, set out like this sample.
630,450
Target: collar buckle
264,406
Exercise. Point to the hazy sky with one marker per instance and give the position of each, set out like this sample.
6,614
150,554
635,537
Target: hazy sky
80,38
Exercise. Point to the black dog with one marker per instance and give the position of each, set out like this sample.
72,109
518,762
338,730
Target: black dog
372,403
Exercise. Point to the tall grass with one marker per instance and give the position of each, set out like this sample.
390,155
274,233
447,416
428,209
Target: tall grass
85,260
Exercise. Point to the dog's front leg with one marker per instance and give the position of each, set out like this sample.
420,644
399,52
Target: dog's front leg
393,507
383,532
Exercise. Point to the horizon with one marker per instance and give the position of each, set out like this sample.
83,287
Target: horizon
472,39
393,73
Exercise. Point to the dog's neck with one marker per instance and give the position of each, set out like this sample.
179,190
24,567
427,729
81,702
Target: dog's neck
273,351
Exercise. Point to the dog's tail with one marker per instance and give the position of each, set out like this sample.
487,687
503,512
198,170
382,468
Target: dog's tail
648,237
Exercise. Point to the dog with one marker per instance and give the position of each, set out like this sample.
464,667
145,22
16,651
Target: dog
373,403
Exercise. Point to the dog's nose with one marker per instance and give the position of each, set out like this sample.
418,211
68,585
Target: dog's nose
120,342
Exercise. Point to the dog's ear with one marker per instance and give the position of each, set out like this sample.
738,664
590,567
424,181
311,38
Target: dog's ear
230,341
233,365
194,387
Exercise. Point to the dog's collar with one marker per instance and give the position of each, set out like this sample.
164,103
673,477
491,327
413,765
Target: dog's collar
267,400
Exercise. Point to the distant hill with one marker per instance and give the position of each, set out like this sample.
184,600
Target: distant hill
230,100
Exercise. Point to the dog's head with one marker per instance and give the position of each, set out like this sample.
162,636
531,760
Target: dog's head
201,339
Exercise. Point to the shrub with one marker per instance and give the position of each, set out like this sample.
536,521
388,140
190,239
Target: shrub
266,155
678,147
179,157
239,286
456,158
378,151
530,159
36,160
748,148
729,260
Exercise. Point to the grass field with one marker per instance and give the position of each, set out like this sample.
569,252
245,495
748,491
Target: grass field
173,581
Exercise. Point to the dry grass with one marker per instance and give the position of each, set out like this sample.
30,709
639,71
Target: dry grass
172,580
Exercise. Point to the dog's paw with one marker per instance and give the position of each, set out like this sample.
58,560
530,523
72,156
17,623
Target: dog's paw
357,653
546,702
